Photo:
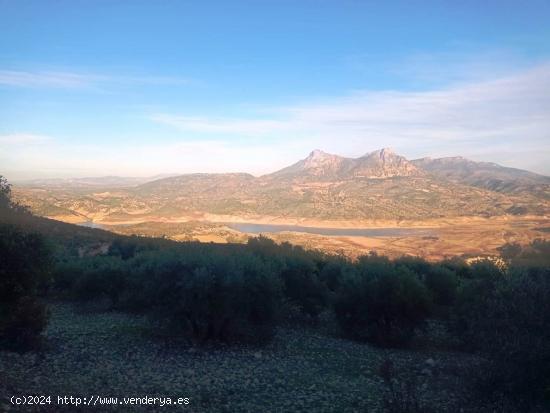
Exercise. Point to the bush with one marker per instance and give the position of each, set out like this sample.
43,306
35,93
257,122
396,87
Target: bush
25,260
334,272
511,327
443,284
384,308
471,300
536,254
303,287
299,272
100,279
441,280
22,324
123,248
220,299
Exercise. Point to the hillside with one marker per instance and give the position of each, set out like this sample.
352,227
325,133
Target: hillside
378,185
486,175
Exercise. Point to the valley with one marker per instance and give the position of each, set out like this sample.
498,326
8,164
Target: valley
382,202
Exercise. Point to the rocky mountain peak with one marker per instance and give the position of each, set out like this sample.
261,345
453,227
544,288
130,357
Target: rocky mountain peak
380,153
318,153
386,152
384,163
321,163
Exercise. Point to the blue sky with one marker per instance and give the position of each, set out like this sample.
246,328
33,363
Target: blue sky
93,88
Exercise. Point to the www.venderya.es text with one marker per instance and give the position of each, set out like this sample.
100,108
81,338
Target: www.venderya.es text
97,400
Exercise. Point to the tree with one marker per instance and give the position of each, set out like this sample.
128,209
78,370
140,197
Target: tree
25,261
5,193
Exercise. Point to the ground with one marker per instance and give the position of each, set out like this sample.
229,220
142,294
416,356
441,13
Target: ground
111,354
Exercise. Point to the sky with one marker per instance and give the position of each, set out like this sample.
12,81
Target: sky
140,88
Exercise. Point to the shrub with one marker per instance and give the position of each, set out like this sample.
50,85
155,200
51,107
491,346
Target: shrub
536,254
92,279
384,308
299,271
219,299
511,327
443,284
334,272
123,248
303,287
441,280
64,277
471,300
22,323
25,260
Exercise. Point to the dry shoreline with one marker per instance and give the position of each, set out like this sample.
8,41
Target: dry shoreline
308,222
456,236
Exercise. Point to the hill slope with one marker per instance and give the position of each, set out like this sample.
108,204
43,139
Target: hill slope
486,175
378,185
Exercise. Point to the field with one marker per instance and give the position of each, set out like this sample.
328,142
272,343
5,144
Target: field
303,369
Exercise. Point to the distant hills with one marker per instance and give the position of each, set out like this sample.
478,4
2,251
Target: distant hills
486,175
378,185
100,181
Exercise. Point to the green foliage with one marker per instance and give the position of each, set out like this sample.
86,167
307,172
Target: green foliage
334,272
382,304
217,298
299,271
535,254
5,193
440,279
508,320
470,301
123,248
91,279
510,250
303,287
443,284
25,260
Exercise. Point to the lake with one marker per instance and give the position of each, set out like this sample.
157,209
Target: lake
90,224
349,232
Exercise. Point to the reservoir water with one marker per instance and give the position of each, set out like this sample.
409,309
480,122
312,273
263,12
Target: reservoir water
251,228
349,232
90,224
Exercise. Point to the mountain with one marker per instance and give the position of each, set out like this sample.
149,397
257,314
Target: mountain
196,184
383,163
318,165
88,182
378,185
486,175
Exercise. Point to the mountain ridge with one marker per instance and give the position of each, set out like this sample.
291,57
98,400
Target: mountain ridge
488,175
382,163
378,185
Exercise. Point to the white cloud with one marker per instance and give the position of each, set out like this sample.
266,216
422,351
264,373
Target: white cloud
44,79
23,139
220,125
505,120
73,80
466,119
